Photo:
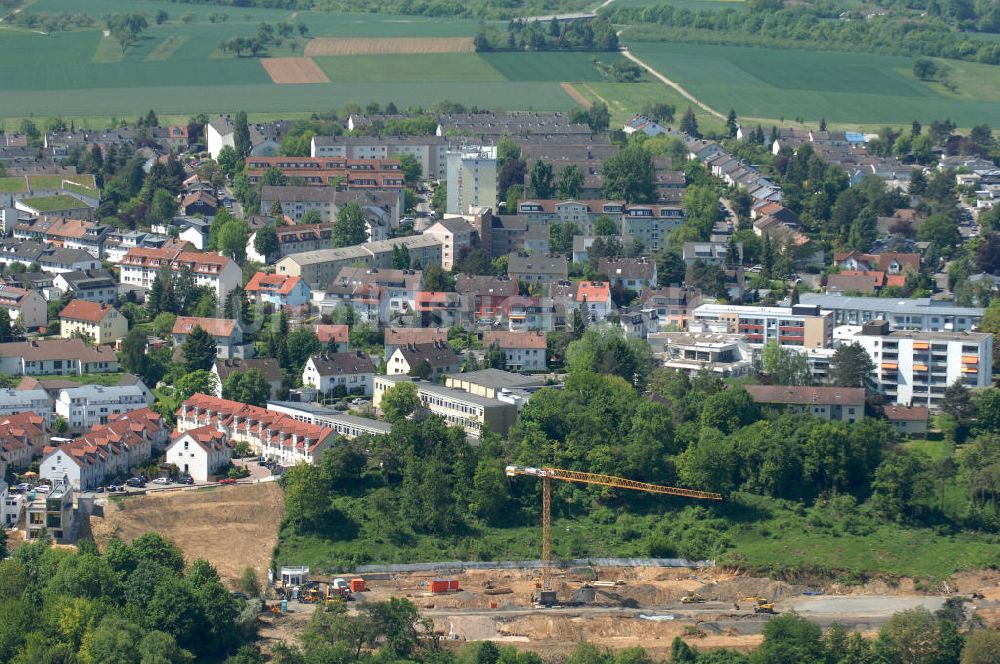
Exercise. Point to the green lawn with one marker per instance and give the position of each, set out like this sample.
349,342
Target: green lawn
56,181
52,203
12,184
626,99
550,66
841,87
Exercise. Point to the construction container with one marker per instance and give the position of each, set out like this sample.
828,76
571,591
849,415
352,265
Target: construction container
443,585
357,585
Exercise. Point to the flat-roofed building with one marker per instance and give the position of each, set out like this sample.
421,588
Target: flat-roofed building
914,368
923,314
802,326
348,426
456,407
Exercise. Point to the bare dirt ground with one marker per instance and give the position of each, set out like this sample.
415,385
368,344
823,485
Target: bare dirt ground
369,46
576,95
285,71
232,527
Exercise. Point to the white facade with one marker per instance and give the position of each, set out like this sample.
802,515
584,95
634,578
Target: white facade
472,178
216,139
82,474
198,459
87,405
360,382
915,368
13,402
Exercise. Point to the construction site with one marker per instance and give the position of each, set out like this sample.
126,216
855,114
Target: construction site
621,607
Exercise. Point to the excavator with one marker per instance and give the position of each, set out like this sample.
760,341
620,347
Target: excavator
546,596
760,604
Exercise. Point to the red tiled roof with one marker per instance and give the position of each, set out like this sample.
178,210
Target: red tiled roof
400,336
900,413
509,339
282,284
593,291
92,312
338,333
217,327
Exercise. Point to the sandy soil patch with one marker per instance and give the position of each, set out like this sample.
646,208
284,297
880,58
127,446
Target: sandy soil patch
368,46
232,527
291,71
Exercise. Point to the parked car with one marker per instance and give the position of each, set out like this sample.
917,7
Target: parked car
23,487
99,489
359,402
135,482
43,488
115,488
161,480
187,479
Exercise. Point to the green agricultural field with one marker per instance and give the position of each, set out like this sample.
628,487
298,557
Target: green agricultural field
841,87
272,100
550,66
402,68
626,99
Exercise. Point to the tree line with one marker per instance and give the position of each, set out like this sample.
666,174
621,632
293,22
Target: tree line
579,35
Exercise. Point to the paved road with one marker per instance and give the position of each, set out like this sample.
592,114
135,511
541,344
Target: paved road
676,86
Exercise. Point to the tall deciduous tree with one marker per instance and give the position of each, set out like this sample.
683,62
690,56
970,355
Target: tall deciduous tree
399,401
241,136
630,175
570,183
850,366
265,242
349,229
199,350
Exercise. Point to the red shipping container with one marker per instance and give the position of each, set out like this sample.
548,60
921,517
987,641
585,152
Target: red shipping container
443,585
357,585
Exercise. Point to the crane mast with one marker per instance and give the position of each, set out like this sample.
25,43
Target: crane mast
547,474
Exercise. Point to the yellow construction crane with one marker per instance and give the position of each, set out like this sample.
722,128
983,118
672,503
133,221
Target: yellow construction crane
549,474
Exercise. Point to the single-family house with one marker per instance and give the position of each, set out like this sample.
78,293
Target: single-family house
634,274
90,285
227,333
406,336
268,367
26,307
594,298
280,290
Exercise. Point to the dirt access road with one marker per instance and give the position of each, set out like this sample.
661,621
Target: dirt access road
676,86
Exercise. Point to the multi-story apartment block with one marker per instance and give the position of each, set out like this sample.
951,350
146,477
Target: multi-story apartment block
674,305
844,404
917,314
55,357
344,173
88,405
456,407
523,351
293,240
38,401
221,273
101,323
348,373
472,178
915,368
276,436
485,293
429,151
319,268
802,326
456,236
648,223
381,207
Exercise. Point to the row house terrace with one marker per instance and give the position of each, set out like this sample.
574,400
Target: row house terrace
107,450
276,436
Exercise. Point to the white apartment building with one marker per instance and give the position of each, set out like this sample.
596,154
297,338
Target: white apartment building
799,326
83,407
915,368
923,314
221,273
37,401
352,373
456,407
429,151
472,178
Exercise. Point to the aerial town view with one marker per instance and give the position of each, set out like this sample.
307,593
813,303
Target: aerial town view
499,331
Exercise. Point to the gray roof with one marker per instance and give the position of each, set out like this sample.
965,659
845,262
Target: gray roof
67,256
305,194
331,416
268,366
535,264
436,354
922,305
448,392
498,378
335,364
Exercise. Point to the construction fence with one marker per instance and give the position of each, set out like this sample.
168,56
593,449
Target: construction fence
457,566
